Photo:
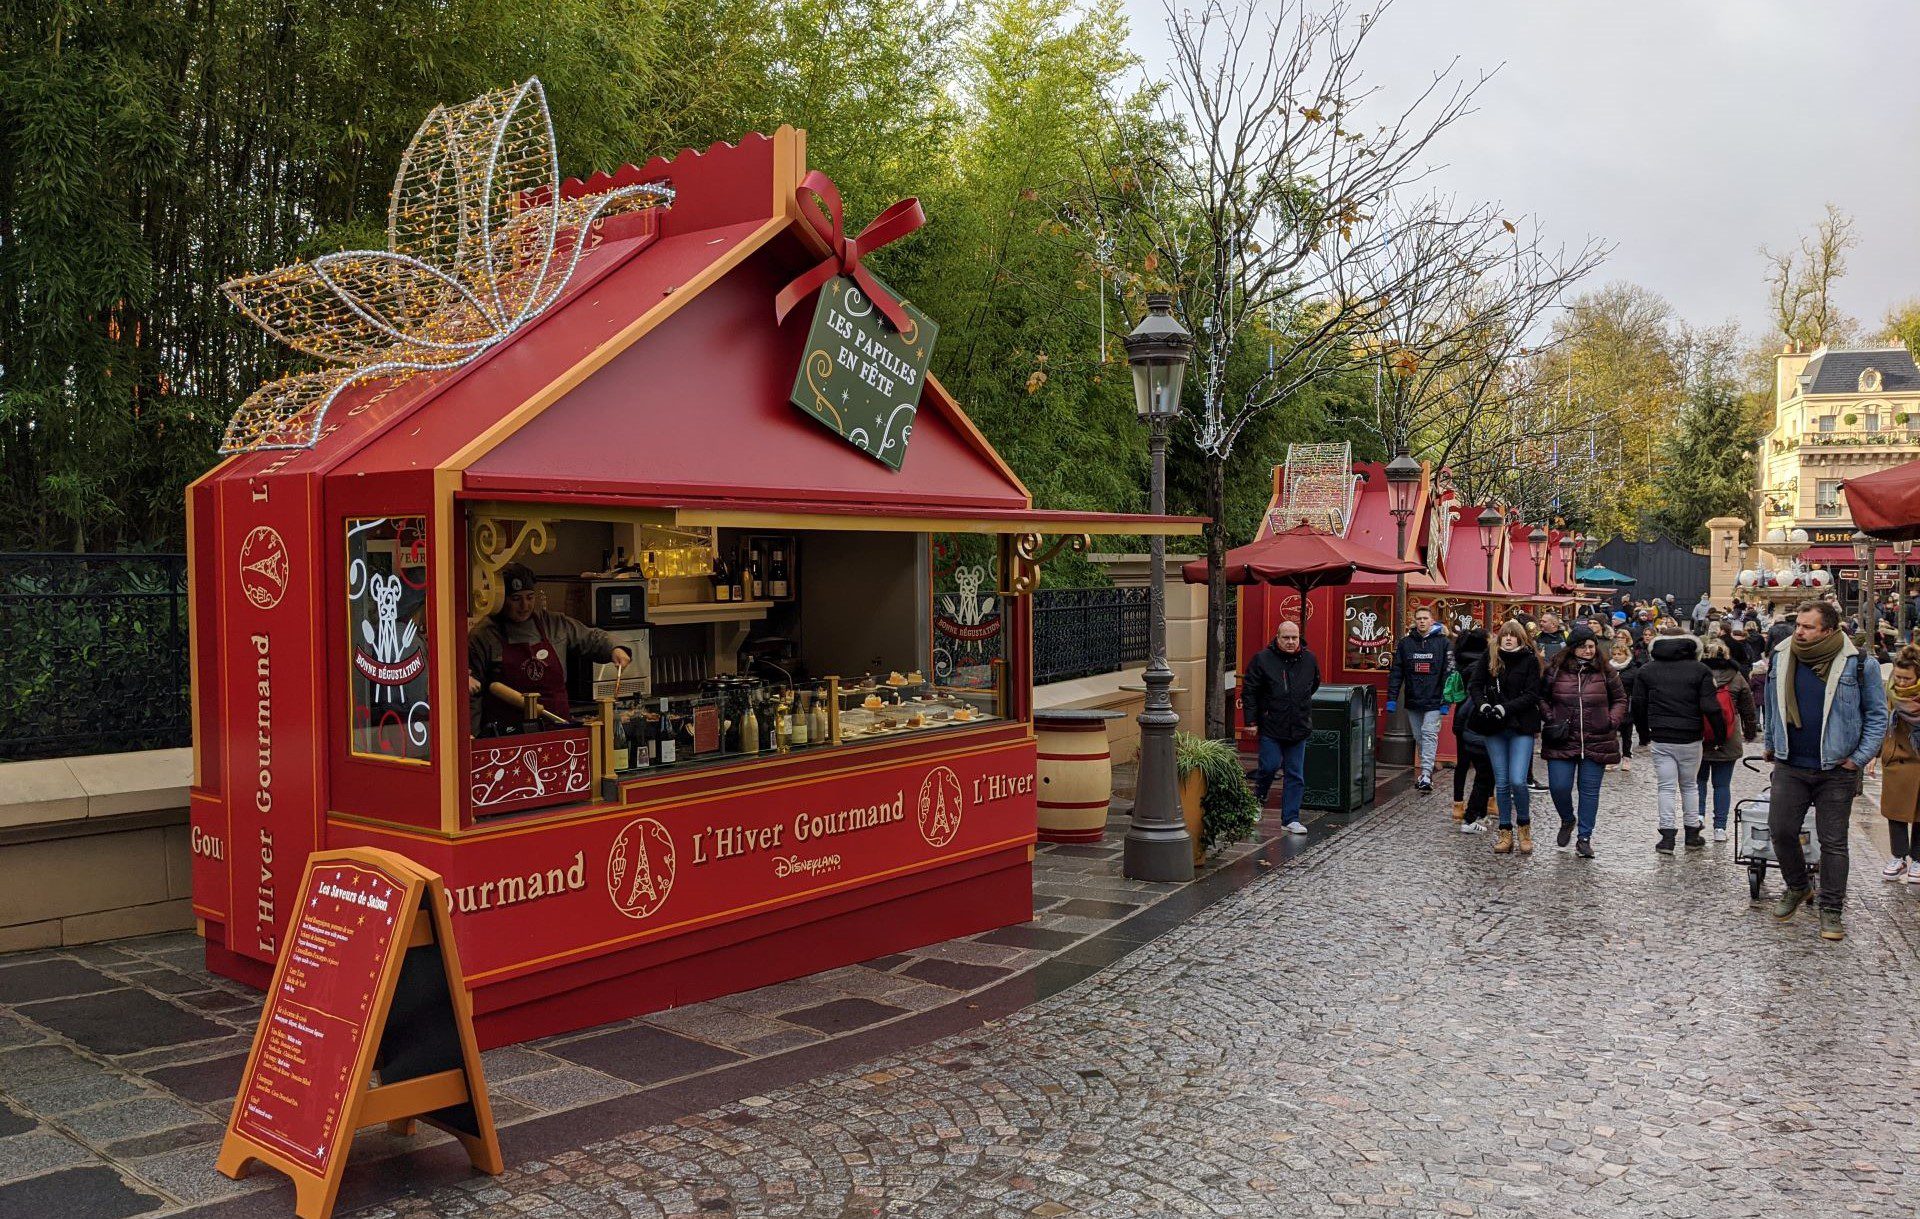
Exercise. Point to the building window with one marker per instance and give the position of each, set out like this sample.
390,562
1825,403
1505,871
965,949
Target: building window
1826,497
1873,421
1827,422
1869,380
387,637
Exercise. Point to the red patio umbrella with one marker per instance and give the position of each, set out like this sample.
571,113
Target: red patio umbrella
1300,558
1886,503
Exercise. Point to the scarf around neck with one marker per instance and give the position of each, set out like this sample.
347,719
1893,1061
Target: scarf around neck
1817,656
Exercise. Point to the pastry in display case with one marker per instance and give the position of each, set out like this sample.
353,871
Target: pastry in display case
890,704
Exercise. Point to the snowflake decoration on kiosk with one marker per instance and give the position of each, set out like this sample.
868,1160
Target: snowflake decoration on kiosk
480,241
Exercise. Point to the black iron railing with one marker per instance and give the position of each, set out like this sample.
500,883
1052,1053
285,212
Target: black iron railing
1078,632
95,653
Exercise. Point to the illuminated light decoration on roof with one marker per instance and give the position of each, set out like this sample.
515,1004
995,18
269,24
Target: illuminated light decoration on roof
480,241
1319,488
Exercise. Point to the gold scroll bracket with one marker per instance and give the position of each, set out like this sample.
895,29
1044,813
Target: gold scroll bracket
1029,555
496,542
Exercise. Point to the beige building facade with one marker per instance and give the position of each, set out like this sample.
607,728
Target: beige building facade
1839,413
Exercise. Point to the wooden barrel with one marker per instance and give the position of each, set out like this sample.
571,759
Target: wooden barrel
1075,773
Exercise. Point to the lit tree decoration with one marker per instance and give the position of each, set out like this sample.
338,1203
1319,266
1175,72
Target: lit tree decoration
480,242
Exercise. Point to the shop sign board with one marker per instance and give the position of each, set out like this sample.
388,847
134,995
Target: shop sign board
531,897
249,842
860,376
369,980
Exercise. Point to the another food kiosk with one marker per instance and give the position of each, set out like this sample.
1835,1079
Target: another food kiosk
821,750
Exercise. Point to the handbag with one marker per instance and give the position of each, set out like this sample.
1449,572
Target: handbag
1556,733
1455,688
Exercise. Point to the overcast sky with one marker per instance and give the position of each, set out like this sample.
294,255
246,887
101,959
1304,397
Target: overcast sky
1688,133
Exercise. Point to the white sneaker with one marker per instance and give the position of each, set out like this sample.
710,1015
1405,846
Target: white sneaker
1895,870
1719,835
1474,827
1626,764
1913,875
1296,827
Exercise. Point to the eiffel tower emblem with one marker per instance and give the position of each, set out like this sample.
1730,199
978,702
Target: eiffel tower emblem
272,566
642,877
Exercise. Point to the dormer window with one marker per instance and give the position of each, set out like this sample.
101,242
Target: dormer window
1869,380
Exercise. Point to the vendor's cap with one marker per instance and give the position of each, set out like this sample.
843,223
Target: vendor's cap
517,578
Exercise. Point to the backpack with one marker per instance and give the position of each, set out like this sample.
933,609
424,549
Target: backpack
1723,695
1455,688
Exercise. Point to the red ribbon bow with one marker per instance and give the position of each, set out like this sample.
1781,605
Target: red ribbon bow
891,225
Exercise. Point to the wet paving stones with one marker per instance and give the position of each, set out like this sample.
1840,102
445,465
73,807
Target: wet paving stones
644,1055
1395,1022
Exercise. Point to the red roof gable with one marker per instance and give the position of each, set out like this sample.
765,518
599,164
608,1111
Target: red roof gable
659,372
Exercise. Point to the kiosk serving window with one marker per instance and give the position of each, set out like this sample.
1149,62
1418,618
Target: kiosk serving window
783,643
390,715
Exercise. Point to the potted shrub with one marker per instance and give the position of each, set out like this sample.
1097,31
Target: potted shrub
1850,419
1214,795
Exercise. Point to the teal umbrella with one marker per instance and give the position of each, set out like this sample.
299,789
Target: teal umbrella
1603,577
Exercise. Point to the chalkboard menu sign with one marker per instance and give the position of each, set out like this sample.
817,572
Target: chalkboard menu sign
368,981
860,376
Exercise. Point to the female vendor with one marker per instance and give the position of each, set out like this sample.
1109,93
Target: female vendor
527,650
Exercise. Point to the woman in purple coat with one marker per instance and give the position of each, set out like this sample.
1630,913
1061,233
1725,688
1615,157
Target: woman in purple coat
1582,706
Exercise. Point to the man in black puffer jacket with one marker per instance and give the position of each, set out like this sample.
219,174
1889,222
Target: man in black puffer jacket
1419,675
1278,701
1673,700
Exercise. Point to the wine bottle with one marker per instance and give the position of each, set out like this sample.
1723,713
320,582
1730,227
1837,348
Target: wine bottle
749,731
636,741
739,581
802,718
665,743
759,585
817,718
777,574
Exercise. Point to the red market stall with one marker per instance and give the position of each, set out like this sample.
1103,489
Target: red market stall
1349,627
822,748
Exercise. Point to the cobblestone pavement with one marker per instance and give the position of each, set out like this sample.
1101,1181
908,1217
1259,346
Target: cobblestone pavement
1398,1024
119,1062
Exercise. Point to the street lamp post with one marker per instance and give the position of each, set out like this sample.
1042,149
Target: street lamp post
1901,630
1863,548
1403,479
1537,551
1490,523
1157,845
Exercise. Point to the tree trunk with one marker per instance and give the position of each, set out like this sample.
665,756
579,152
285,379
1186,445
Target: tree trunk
1215,533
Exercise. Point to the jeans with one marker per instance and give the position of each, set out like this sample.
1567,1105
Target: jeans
1426,731
1904,839
1830,794
1290,758
1512,754
1722,775
1561,776
1677,769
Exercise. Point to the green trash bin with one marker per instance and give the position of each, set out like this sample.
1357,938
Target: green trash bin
1339,763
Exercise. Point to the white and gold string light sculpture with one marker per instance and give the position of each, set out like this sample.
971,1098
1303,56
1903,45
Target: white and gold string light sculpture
480,241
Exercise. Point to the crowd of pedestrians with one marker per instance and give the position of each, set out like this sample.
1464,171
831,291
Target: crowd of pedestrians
1692,693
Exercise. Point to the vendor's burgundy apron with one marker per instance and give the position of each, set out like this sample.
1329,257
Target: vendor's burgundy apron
531,668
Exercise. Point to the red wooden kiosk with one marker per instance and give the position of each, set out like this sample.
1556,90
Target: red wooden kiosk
643,417
1352,627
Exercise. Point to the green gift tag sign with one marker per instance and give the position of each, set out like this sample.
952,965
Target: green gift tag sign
860,376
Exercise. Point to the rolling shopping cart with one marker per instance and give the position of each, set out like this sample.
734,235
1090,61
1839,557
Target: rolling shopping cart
1753,844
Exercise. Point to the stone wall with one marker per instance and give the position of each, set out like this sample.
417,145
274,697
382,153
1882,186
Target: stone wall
94,848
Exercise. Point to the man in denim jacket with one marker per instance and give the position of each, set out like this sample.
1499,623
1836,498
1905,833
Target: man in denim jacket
1826,716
